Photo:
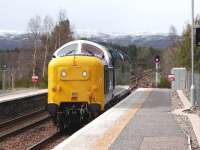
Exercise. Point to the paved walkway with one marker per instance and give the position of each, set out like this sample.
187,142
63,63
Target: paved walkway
153,127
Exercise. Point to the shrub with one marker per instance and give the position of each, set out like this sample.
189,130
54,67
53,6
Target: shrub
164,83
27,83
24,82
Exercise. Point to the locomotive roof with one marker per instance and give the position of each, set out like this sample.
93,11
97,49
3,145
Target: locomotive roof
78,50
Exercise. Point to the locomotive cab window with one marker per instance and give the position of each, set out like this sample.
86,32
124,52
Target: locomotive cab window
91,50
68,50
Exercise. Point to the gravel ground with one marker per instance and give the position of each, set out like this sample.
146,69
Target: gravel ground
183,121
197,110
29,137
176,103
54,143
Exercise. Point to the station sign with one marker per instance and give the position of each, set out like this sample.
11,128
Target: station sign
35,79
171,77
3,67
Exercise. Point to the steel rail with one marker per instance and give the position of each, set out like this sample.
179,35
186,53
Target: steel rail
45,141
21,123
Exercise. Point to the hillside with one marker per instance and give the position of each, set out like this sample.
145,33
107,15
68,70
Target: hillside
13,40
20,40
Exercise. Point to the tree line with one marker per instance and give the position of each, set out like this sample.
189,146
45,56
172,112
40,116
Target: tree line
47,36
141,58
179,53
44,36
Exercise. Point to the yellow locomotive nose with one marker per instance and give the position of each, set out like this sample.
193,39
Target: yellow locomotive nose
82,82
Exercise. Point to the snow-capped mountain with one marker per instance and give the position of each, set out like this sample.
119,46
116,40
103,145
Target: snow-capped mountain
155,40
13,39
8,33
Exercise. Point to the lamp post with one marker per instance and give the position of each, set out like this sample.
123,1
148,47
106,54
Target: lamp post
192,89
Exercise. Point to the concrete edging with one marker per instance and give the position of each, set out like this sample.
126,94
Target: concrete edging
194,119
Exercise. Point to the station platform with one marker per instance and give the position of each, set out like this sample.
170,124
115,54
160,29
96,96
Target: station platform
120,89
142,121
19,94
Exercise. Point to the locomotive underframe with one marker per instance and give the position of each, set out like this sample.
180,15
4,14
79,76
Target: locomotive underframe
73,113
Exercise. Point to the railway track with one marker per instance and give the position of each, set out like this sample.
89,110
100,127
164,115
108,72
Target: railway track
21,123
143,79
46,141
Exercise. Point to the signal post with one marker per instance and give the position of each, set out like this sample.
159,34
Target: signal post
157,61
3,68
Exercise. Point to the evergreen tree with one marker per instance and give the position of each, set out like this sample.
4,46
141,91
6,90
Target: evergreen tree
184,53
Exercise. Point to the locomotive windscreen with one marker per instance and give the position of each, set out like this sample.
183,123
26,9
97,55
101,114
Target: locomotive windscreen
91,50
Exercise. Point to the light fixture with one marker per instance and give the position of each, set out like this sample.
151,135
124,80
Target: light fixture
84,74
63,73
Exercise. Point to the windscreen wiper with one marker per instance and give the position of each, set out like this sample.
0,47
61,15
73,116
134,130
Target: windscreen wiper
68,53
90,52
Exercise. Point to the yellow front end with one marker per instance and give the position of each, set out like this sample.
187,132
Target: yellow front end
76,79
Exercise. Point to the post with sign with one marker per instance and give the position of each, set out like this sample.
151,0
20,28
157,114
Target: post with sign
4,80
171,77
4,69
157,61
35,80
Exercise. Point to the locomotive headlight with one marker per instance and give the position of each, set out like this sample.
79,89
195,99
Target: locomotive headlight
63,73
84,74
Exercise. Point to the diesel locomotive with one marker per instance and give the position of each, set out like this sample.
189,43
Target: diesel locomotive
82,77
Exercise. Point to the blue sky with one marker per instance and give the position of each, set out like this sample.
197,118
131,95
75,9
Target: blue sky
117,16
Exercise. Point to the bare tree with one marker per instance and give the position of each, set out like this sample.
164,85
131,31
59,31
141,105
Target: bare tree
61,17
62,26
197,20
173,35
34,27
48,26
170,54
62,32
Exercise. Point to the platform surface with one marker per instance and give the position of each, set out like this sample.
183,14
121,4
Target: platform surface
120,89
142,121
14,95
